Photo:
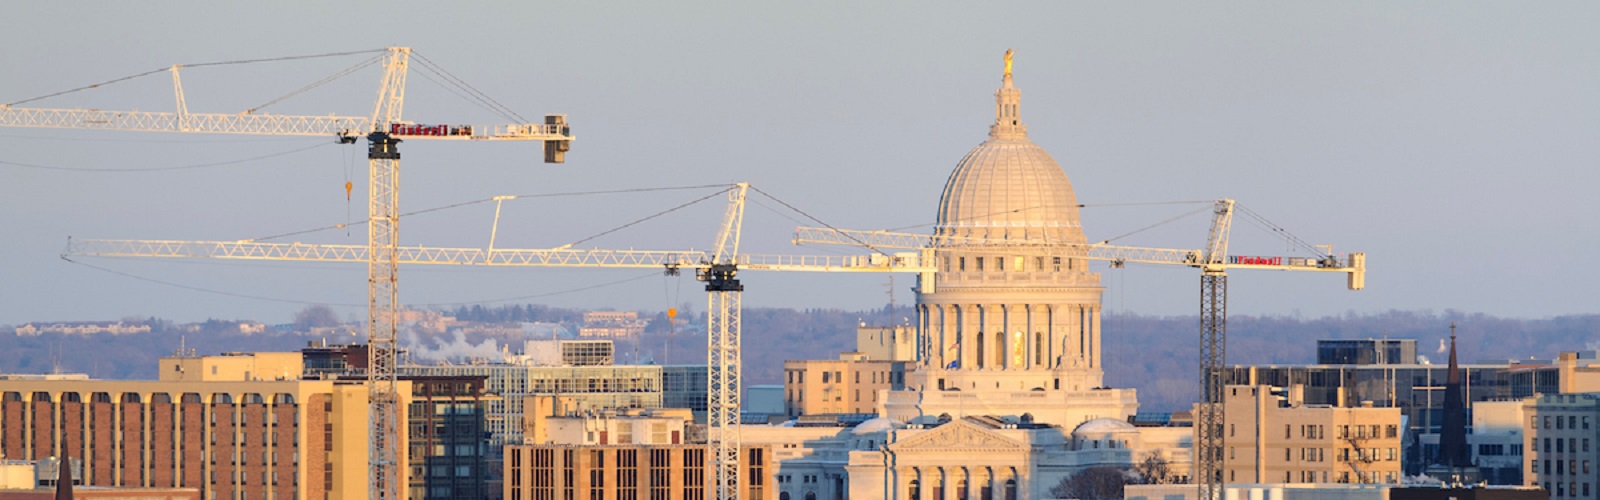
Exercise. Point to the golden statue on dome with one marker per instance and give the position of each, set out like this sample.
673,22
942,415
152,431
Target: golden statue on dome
1009,53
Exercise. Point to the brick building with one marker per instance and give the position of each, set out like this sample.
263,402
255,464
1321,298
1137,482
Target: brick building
243,438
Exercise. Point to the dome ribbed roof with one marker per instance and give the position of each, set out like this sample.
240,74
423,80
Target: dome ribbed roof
1008,187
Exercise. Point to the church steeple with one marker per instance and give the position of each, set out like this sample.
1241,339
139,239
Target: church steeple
1453,451
64,470
1007,108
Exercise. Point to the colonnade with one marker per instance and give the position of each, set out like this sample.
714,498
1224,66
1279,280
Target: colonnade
1009,336
961,483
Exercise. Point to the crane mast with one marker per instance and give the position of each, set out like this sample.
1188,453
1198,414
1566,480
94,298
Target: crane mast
1213,354
723,347
383,130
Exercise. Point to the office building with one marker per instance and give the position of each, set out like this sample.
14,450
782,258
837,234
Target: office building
851,384
1271,435
1562,444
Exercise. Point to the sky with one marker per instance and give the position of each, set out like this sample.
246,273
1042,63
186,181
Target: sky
1452,142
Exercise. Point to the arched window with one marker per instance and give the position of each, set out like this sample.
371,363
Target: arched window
961,489
915,490
811,495
1011,489
783,495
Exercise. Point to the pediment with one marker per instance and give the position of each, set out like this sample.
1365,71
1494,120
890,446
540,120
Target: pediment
958,435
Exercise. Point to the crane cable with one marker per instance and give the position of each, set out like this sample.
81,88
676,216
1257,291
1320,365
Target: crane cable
819,221
345,225
195,65
651,216
346,304
341,74
1158,224
1279,230
167,168
483,98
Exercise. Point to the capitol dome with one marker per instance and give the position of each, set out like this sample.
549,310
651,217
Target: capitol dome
1008,187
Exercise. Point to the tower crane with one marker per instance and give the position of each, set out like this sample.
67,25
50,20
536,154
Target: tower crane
1213,262
718,269
383,130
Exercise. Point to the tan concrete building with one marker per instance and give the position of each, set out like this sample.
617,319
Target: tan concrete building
257,439
557,420
1562,444
887,343
850,384
1272,436
233,366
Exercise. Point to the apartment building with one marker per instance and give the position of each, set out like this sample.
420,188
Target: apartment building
851,384
1272,436
1562,444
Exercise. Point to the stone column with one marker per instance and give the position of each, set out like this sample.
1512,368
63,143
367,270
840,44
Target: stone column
1094,337
925,485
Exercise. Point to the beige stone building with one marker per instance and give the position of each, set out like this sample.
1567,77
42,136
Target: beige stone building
1562,444
887,343
850,384
1272,436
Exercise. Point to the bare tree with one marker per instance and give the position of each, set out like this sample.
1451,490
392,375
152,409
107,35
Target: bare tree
1094,483
1154,469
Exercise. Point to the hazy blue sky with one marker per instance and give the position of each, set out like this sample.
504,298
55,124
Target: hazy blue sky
1454,142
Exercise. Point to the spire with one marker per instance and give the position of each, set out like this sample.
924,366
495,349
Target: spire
1453,451
1007,108
64,470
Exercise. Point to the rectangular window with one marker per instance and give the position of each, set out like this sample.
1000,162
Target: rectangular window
979,260
1056,264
